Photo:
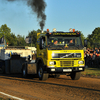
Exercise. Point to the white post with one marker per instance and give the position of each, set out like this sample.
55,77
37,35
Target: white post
31,47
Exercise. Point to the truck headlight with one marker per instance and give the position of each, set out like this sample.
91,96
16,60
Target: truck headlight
53,54
52,62
80,62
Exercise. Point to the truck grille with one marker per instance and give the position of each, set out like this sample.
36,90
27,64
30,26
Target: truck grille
66,63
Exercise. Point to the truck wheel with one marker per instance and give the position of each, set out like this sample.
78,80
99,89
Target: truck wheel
2,69
75,75
42,75
24,72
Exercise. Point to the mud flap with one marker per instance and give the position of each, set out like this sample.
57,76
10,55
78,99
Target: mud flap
45,76
31,68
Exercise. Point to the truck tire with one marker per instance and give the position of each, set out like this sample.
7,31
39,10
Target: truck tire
75,75
24,72
2,69
41,73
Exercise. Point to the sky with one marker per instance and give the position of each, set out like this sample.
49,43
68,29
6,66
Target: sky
81,15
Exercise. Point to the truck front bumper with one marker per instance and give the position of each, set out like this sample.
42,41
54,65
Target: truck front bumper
65,69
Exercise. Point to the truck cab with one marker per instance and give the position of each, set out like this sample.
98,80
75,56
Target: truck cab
60,53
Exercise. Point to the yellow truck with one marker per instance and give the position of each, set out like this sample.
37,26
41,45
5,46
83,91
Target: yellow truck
60,53
57,53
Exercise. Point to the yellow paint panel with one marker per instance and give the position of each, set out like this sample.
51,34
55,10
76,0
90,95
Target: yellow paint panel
38,34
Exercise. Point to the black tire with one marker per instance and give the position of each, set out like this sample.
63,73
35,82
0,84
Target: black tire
24,72
2,69
43,75
75,75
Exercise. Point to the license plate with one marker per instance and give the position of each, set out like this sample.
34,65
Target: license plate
67,70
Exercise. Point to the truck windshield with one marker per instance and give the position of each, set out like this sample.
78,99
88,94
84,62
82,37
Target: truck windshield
61,42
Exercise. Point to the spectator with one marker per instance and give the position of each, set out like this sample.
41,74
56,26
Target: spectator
71,42
55,42
88,59
92,49
96,49
97,59
85,57
93,59
99,50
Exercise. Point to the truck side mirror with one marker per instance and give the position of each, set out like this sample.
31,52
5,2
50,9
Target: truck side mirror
85,43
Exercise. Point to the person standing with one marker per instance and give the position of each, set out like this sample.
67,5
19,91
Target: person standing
55,42
94,58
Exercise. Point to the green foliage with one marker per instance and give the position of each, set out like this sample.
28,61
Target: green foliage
82,37
94,38
4,30
10,38
20,41
33,35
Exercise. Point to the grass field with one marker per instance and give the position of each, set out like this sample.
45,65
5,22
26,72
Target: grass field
91,72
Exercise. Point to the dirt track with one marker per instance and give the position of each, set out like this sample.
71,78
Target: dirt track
62,88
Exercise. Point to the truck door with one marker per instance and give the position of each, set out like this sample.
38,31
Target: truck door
43,50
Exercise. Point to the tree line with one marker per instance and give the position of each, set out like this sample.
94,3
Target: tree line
13,40
94,38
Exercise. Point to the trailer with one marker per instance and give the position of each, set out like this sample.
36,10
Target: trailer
13,64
